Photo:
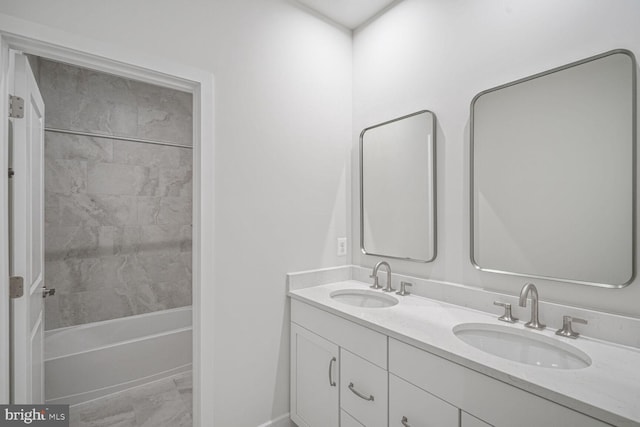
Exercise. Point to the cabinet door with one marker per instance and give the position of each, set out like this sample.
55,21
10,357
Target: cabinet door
410,406
468,420
314,379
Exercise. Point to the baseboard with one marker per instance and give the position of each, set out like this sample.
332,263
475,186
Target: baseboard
281,421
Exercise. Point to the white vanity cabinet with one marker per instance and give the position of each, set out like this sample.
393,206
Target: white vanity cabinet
380,381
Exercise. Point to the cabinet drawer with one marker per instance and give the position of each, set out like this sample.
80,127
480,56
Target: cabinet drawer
347,420
363,390
417,407
467,420
362,341
490,400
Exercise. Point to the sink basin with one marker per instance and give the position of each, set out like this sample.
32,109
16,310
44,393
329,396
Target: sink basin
522,346
363,298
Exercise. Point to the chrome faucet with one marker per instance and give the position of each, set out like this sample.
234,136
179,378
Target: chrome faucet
526,289
374,276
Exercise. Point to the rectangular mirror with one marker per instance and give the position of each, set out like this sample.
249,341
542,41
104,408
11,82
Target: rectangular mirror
553,174
397,188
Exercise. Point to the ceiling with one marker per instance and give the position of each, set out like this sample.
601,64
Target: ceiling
348,13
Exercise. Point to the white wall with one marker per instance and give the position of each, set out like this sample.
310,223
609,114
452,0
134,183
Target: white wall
284,120
283,128
437,55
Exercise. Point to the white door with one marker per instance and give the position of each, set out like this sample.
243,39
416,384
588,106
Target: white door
314,380
26,241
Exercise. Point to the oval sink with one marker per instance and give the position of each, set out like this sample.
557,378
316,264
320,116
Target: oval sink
522,346
363,298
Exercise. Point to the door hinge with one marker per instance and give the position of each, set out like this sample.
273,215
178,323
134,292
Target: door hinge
16,107
16,287
11,172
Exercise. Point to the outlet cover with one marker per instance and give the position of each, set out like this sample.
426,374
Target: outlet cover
342,246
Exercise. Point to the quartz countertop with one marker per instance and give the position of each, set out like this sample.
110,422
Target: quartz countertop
608,389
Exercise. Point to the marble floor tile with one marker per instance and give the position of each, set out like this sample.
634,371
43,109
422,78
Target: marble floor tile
164,403
158,404
184,383
114,410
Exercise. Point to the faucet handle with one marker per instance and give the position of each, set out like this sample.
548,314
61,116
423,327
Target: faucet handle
403,288
566,330
507,316
376,284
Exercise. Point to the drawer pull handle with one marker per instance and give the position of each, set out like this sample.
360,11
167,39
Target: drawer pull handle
332,383
360,395
405,422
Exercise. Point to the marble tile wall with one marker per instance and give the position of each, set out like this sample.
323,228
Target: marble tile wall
117,213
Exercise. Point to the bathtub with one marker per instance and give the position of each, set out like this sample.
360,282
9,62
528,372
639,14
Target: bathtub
89,361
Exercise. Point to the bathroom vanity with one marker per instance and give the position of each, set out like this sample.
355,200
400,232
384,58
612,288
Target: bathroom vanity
367,358
548,153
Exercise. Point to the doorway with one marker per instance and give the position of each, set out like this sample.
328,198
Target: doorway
117,244
199,84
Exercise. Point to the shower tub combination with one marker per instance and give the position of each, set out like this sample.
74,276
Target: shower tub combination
89,361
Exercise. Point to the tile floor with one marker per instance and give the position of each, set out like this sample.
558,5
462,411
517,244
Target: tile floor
164,403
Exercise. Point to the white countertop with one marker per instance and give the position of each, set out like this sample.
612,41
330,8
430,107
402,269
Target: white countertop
609,389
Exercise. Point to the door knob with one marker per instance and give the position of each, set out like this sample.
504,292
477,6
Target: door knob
47,292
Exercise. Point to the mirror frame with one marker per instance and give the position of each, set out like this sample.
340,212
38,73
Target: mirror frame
633,172
433,185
